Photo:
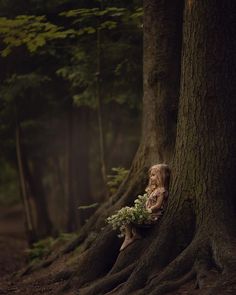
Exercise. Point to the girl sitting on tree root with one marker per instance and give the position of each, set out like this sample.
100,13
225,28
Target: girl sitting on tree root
147,209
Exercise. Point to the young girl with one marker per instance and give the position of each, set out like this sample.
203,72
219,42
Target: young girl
153,207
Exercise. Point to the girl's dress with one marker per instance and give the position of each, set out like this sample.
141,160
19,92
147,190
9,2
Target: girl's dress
152,200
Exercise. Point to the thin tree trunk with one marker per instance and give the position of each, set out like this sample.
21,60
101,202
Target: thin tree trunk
34,175
72,208
81,147
78,189
30,231
100,115
58,173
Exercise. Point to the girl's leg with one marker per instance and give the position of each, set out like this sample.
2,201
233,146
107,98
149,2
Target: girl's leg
131,235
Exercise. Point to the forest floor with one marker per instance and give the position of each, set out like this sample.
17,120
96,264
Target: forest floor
13,257
12,242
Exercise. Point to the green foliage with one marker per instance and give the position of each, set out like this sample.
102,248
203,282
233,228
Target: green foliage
40,249
44,247
138,214
84,14
114,180
35,31
50,58
31,31
16,86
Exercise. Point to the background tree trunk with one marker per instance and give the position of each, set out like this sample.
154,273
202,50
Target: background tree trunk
81,145
29,225
78,191
72,218
34,174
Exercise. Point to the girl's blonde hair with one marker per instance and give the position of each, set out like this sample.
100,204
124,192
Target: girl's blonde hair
163,177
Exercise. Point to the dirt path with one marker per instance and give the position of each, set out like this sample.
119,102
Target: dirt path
13,257
12,241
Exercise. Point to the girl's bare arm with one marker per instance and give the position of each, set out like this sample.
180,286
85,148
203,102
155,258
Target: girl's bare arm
158,203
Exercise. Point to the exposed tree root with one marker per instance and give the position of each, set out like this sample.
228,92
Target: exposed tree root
191,262
224,256
202,266
224,285
172,285
108,283
178,271
224,252
96,261
63,275
115,290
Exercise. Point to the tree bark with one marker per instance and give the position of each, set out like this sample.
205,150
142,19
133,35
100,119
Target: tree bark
161,78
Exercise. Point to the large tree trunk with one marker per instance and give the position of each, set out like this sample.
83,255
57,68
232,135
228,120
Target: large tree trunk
161,78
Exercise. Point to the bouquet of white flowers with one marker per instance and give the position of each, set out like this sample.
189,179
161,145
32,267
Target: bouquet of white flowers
138,214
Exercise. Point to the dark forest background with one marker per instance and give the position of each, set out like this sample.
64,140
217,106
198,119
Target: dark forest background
70,96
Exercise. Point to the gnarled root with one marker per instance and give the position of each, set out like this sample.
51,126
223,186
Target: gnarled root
108,283
224,257
172,285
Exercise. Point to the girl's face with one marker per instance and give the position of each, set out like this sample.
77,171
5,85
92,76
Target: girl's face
154,179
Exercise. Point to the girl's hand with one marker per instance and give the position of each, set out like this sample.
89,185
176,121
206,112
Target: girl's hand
149,210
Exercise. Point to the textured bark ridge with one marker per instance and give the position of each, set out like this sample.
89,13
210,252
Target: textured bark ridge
195,240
